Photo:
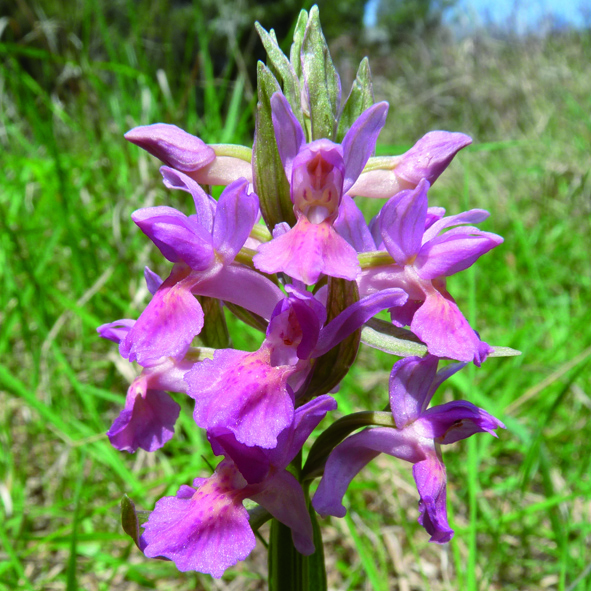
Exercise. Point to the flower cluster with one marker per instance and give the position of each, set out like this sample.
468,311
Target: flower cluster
286,249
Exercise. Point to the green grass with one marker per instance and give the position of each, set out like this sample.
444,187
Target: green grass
70,259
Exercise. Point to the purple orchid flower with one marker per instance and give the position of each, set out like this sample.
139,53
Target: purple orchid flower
427,159
252,395
417,438
319,173
205,527
203,248
424,256
189,154
148,418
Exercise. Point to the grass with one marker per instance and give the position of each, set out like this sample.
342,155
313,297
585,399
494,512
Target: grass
70,259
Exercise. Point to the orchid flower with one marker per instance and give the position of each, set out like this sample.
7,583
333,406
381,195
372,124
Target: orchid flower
417,437
252,395
208,165
319,173
424,256
203,248
148,418
385,176
205,527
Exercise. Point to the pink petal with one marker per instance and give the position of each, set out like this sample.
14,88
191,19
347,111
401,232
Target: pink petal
443,328
308,251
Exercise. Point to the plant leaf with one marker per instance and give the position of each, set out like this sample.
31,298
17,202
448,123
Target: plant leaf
360,98
270,182
322,83
283,71
386,337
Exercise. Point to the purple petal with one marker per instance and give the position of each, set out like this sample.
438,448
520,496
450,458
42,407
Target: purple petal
153,280
455,421
351,225
207,532
443,328
430,478
360,141
454,251
307,251
252,462
177,237
284,499
353,317
292,439
410,388
350,456
472,216
234,218
403,315
434,214
244,287
430,156
115,331
147,421
256,404
402,223
288,131
293,330
167,326
204,204
172,145
169,374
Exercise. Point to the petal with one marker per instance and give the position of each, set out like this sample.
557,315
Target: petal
153,280
167,326
443,328
294,328
402,223
172,145
353,317
350,456
284,499
242,286
434,214
115,331
307,251
241,393
224,170
207,532
288,131
147,421
455,421
307,418
379,183
430,156
234,218
351,225
360,141
472,216
430,478
177,237
252,462
410,388
403,315
204,204
454,251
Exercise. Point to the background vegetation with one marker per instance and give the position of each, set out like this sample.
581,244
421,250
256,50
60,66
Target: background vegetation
72,82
